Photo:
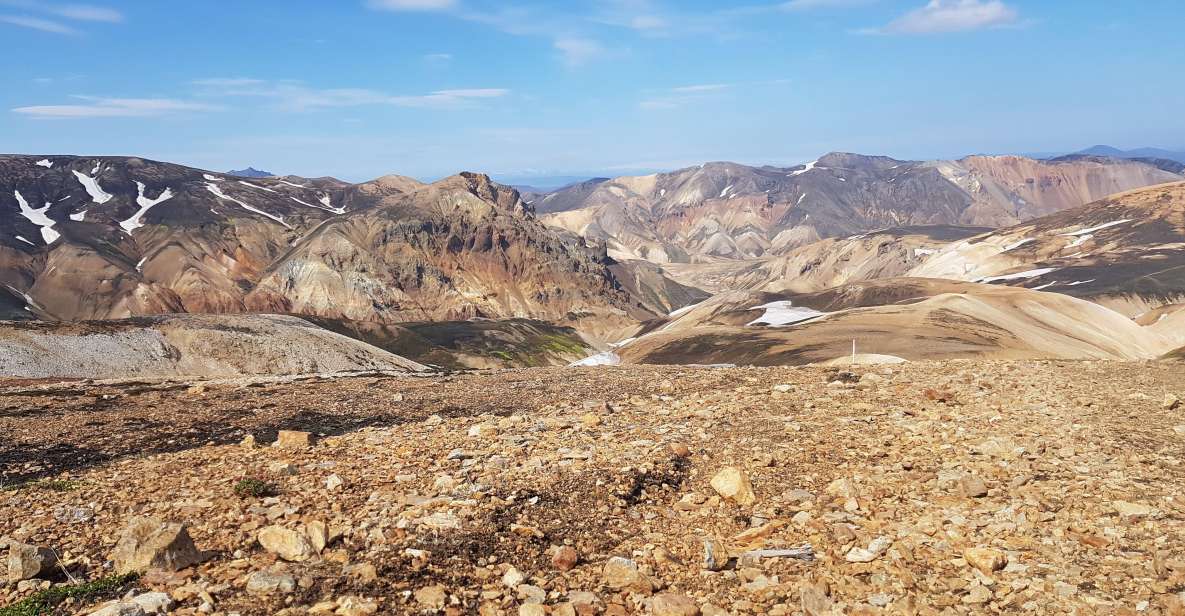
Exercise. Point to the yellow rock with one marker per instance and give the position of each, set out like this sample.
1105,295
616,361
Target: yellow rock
732,483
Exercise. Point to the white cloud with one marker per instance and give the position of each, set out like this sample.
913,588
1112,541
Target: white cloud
297,96
37,23
114,108
940,16
681,96
412,5
86,12
576,51
77,12
708,87
438,58
803,5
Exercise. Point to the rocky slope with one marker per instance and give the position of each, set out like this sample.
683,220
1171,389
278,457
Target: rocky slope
474,344
960,488
93,238
185,346
731,211
1126,251
829,263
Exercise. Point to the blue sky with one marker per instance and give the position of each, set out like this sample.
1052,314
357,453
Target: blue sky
519,89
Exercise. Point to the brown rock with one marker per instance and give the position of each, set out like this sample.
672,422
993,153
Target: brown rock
622,574
987,560
732,483
815,600
564,558
431,597
266,583
973,486
1172,402
26,562
292,439
148,543
288,544
715,555
673,604
679,450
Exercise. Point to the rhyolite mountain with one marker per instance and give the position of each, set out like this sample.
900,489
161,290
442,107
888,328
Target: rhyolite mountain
731,211
110,237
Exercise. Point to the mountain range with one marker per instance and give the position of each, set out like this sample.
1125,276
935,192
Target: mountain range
466,272
1153,153
730,211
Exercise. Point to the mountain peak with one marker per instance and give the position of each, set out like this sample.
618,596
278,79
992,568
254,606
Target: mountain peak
251,172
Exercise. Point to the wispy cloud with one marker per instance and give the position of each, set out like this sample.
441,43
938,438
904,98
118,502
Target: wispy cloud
412,5
681,96
577,51
96,107
47,17
37,23
943,16
85,12
297,96
805,5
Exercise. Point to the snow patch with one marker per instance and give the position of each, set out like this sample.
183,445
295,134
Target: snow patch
1080,240
98,166
291,184
29,300
25,241
45,162
783,313
1044,286
1099,228
145,204
809,166
684,310
801,198
1018,244
725,191
221,195
98,195
38,218
324,199
140,265
211,177
79,217
256,187
924,252
319,207
1017,276
608,358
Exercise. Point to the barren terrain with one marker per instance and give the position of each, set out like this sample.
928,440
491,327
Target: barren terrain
956,487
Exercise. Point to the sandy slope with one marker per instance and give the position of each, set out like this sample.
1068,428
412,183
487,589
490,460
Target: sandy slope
908,318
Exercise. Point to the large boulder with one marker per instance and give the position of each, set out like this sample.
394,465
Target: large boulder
148,543
26,562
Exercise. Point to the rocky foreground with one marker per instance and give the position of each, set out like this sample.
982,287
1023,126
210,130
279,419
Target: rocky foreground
959,487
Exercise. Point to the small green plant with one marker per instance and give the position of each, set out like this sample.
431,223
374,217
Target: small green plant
256,488
45,601
50,485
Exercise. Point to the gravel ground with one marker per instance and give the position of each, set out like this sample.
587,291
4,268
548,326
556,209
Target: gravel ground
927,488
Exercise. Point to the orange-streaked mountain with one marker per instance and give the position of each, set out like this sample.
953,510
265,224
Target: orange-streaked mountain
110,237
730,211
